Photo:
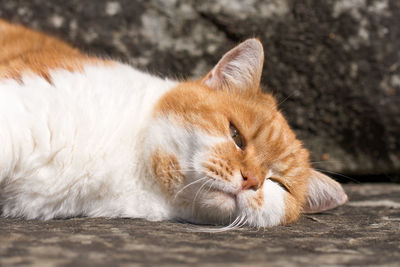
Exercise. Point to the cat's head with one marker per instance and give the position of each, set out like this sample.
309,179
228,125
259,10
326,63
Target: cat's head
223,153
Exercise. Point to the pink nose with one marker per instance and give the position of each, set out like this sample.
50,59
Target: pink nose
250,181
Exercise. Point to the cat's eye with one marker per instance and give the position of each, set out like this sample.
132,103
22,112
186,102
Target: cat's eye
236,136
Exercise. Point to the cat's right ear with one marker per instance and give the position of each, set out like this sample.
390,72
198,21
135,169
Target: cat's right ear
239,69
324,193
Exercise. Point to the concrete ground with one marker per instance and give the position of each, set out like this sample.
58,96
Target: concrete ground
366,231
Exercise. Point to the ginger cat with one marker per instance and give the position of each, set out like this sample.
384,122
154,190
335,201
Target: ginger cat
82,136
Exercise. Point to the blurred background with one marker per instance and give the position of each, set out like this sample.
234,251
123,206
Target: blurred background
334,65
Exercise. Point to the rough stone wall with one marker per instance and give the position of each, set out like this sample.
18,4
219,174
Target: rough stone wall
334,65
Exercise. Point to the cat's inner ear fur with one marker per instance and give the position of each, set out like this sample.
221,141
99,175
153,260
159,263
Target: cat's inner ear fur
323,193
238,69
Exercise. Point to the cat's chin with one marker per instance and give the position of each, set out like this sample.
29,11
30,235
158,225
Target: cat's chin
222,203
215,207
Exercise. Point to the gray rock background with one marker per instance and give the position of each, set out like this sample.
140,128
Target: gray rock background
334,65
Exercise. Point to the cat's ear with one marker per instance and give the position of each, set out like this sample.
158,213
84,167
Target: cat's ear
239,69
324,193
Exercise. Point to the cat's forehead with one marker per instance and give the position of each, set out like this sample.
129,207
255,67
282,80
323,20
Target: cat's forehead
266,132
199,105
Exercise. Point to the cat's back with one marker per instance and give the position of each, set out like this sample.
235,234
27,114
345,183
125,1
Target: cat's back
24,50
66,117
28,53
47,86
43,77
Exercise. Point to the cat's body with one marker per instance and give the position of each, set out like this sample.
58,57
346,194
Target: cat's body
84,136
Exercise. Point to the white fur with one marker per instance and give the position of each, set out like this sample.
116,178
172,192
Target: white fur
273,210
75,147
323,193
81,146
190,145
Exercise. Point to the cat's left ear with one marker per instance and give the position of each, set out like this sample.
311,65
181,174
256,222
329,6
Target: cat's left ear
324,193
239,69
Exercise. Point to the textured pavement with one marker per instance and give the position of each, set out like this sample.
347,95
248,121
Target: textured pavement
366,231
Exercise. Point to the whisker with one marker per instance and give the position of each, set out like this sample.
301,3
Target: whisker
211,185
222,229
232,224
286,98
197,193
326,161
186,186
339,174
239,224
179,171
242,222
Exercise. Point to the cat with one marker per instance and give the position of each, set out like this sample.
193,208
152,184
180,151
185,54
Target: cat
83,136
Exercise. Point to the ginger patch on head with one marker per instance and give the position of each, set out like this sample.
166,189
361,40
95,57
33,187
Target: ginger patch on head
166,170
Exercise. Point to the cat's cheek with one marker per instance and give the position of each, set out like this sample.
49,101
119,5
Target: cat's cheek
166,170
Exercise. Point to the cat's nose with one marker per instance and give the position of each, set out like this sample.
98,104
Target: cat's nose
250,181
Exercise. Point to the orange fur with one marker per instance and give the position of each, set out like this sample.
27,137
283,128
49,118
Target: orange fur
270,143
258,200
227,102
167,170
23,50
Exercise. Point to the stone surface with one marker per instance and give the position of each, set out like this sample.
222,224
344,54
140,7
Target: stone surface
366,231
334,65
